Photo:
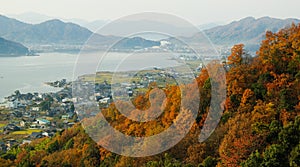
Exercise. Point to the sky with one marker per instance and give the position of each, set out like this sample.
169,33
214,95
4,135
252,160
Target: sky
195,11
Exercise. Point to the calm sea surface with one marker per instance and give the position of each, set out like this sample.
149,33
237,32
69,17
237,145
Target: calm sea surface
28,73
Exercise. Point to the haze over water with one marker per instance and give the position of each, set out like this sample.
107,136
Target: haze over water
29,73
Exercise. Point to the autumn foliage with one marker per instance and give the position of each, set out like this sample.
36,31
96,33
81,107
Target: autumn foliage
260,125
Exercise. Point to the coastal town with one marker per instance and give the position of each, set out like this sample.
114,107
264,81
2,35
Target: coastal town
25,117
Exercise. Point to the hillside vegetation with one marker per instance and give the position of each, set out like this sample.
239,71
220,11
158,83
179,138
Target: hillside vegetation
10,48
260,125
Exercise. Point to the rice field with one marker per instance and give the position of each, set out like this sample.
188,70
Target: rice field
26,132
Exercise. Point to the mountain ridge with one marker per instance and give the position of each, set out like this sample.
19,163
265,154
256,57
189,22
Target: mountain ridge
51,31
249,30
59,34
11,48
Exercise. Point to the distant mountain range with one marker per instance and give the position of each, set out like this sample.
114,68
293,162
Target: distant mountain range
10,48
31,17
49,32
59,35
52,31
208,26
138,42
56,33
249,31
37,18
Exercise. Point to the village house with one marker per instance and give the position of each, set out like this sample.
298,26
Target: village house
42,121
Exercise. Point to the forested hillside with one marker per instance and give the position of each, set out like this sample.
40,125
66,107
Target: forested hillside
260,125
10,48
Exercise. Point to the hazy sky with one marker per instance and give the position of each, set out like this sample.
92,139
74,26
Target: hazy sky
195,11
